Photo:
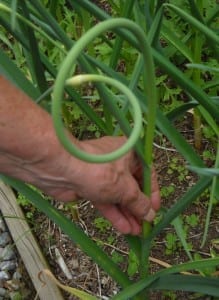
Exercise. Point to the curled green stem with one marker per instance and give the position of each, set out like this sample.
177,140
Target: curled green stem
63,78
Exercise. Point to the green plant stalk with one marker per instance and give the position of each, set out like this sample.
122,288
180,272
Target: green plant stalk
150,116
211,200
13,13
197,49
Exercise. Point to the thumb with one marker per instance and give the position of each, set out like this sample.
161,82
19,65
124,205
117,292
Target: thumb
136,201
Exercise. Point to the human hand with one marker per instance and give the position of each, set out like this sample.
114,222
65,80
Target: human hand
114,188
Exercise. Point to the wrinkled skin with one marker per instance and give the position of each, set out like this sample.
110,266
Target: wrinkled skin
113,188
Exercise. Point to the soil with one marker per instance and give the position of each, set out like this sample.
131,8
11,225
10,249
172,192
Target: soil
87,276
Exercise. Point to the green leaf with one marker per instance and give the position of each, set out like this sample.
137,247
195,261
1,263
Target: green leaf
203,67
178,225
203,285
210,172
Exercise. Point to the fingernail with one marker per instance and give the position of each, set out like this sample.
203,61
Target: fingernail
150,215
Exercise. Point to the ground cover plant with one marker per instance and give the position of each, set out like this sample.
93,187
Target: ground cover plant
150,63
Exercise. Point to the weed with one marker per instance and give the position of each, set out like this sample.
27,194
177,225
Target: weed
192,220
166,191
102,224
176,166
133,263
171,243
117,257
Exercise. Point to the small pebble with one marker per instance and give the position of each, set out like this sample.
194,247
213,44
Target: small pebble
4,275
2,292
7,253
4,239
8,265
17,275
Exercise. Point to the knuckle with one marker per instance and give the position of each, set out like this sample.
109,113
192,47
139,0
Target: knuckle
133,193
